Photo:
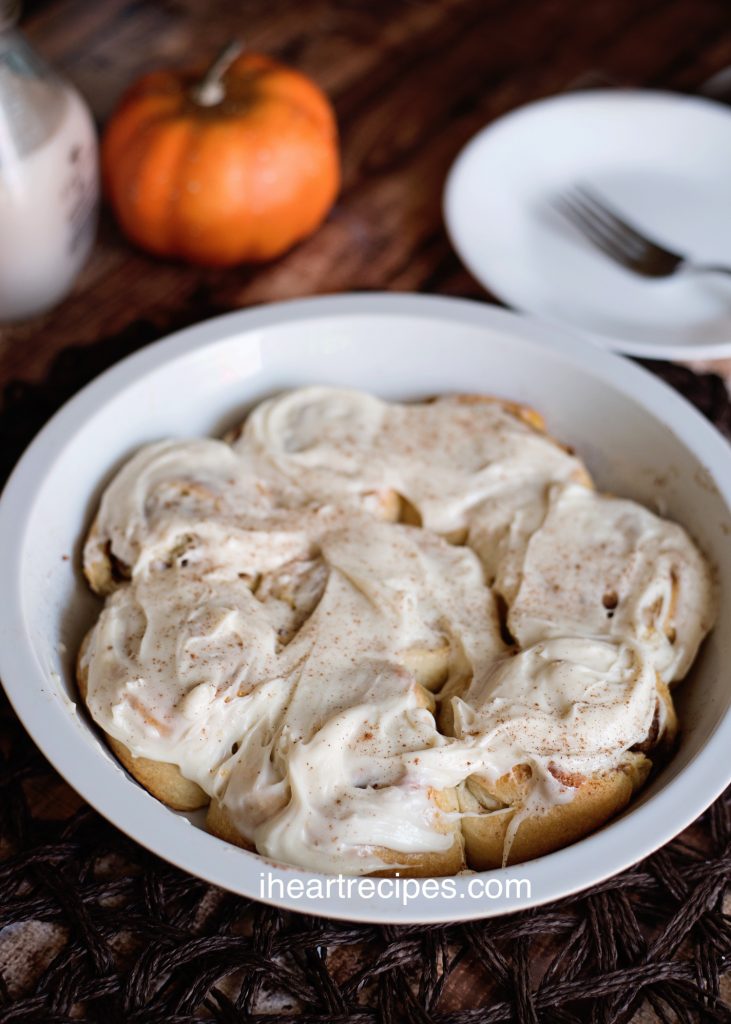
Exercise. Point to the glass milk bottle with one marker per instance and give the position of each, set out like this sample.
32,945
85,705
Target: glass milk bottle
49,181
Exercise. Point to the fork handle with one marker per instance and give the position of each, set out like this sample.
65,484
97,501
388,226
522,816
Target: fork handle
708,268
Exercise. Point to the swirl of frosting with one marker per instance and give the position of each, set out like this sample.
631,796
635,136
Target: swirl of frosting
573,704
603,566
444,457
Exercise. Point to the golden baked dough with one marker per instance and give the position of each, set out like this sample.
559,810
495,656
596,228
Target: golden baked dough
407,865
425,865
164,781
490,809
98,566
428,665
219,823
595,801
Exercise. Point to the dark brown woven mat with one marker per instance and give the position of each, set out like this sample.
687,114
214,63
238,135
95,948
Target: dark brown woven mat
95,928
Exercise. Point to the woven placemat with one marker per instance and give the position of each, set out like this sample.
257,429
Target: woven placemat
95,928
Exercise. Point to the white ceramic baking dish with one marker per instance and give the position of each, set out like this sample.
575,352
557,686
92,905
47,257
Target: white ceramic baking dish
639,438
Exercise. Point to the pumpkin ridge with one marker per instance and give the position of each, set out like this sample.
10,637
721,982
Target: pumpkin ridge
176,229
327,132
324,120
127,164
118,141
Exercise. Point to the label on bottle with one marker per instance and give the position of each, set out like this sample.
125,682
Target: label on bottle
79,193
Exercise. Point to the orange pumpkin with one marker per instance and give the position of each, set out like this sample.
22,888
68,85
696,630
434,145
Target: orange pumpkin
237,166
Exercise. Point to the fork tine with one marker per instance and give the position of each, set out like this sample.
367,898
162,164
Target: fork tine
593,229
605,223
603,210
615,237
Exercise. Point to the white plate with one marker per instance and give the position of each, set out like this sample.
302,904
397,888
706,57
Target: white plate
639,437
663,159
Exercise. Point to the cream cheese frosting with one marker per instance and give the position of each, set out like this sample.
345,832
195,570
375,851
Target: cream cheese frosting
444,457
604,566
272,631
313,737
562,707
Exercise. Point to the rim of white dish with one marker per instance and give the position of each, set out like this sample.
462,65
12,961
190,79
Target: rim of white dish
128,806
452,185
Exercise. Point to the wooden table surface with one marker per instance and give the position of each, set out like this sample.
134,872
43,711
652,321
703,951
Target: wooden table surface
411,82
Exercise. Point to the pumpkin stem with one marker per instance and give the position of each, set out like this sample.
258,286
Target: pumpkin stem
210,90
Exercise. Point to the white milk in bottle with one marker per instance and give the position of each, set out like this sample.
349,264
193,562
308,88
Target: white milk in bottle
48,180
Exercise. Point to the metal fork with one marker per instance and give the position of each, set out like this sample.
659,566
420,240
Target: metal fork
601,225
